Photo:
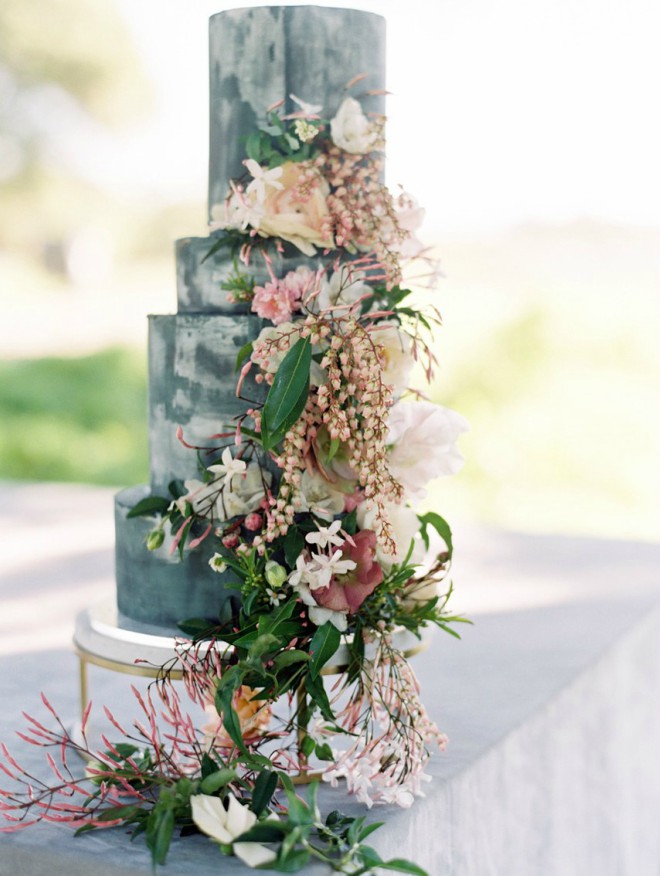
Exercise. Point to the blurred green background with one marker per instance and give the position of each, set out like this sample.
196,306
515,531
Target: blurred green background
549,345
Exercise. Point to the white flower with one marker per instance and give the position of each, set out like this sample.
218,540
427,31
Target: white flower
217,563
300,579
262,179
351,130
326,567
423,438
397,357
344,287
315,494
224,825
228,468
203,497
309,109
326,535
238,211
405,529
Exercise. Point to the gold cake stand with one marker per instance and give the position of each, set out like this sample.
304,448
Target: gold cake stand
101,640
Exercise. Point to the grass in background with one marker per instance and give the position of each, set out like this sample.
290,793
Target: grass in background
82,419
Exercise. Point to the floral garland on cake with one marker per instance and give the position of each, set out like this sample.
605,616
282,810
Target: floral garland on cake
309,502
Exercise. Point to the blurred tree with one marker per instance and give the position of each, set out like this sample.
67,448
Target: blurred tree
67,68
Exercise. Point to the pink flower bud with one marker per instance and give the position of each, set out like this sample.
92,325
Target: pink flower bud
230,541
253,522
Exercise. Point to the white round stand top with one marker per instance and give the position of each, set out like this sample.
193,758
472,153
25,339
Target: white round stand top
100,638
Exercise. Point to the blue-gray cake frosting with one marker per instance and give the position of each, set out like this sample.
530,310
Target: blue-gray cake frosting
258,57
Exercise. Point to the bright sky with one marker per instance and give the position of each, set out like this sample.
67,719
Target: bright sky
501,111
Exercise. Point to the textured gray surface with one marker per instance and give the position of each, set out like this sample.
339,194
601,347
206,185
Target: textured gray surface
155,587
192,384
262,55
199,280
551,702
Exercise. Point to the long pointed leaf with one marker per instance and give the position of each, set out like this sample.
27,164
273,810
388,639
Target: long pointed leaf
288,394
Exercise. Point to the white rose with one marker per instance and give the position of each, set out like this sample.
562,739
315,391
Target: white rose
351,130
343,287
397,357
224,825
424,439
203,497
316,495
405,529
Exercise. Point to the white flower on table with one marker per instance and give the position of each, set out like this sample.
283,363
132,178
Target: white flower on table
351,130
224,825
229,467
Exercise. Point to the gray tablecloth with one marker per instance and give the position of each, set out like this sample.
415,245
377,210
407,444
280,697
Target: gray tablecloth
551,701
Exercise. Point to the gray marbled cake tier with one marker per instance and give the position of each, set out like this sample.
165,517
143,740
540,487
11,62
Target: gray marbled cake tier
258,57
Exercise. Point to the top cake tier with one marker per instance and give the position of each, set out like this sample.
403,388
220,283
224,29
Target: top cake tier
262,55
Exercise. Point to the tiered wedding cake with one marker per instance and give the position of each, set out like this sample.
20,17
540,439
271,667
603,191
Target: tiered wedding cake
257,57
281,530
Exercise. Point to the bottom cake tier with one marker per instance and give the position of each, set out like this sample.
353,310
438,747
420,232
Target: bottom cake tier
155,589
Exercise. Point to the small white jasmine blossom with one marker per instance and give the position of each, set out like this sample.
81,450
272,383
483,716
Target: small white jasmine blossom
262,179
325,567
217,563
229,467
310,109
326,535
224,825
304,131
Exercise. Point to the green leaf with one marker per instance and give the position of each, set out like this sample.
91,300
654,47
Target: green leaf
403,866
115,812
307,745
349,523
160,827
323,751
268,831
150,505
325,642
177,488
294,542
288,658
287,396
293,861
262,645
225,706
441,527
244,353
253,146
219,779
369,829
317,693
263,791
369,857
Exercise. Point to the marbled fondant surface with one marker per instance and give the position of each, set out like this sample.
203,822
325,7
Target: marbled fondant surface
258,57
262,55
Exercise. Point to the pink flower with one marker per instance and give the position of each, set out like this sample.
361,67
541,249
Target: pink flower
279,299
253,522
347,592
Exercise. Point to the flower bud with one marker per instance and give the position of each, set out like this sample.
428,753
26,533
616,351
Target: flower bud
253,522
155,539
275,574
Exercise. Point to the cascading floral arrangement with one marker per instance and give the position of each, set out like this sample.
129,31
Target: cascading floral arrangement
309,498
